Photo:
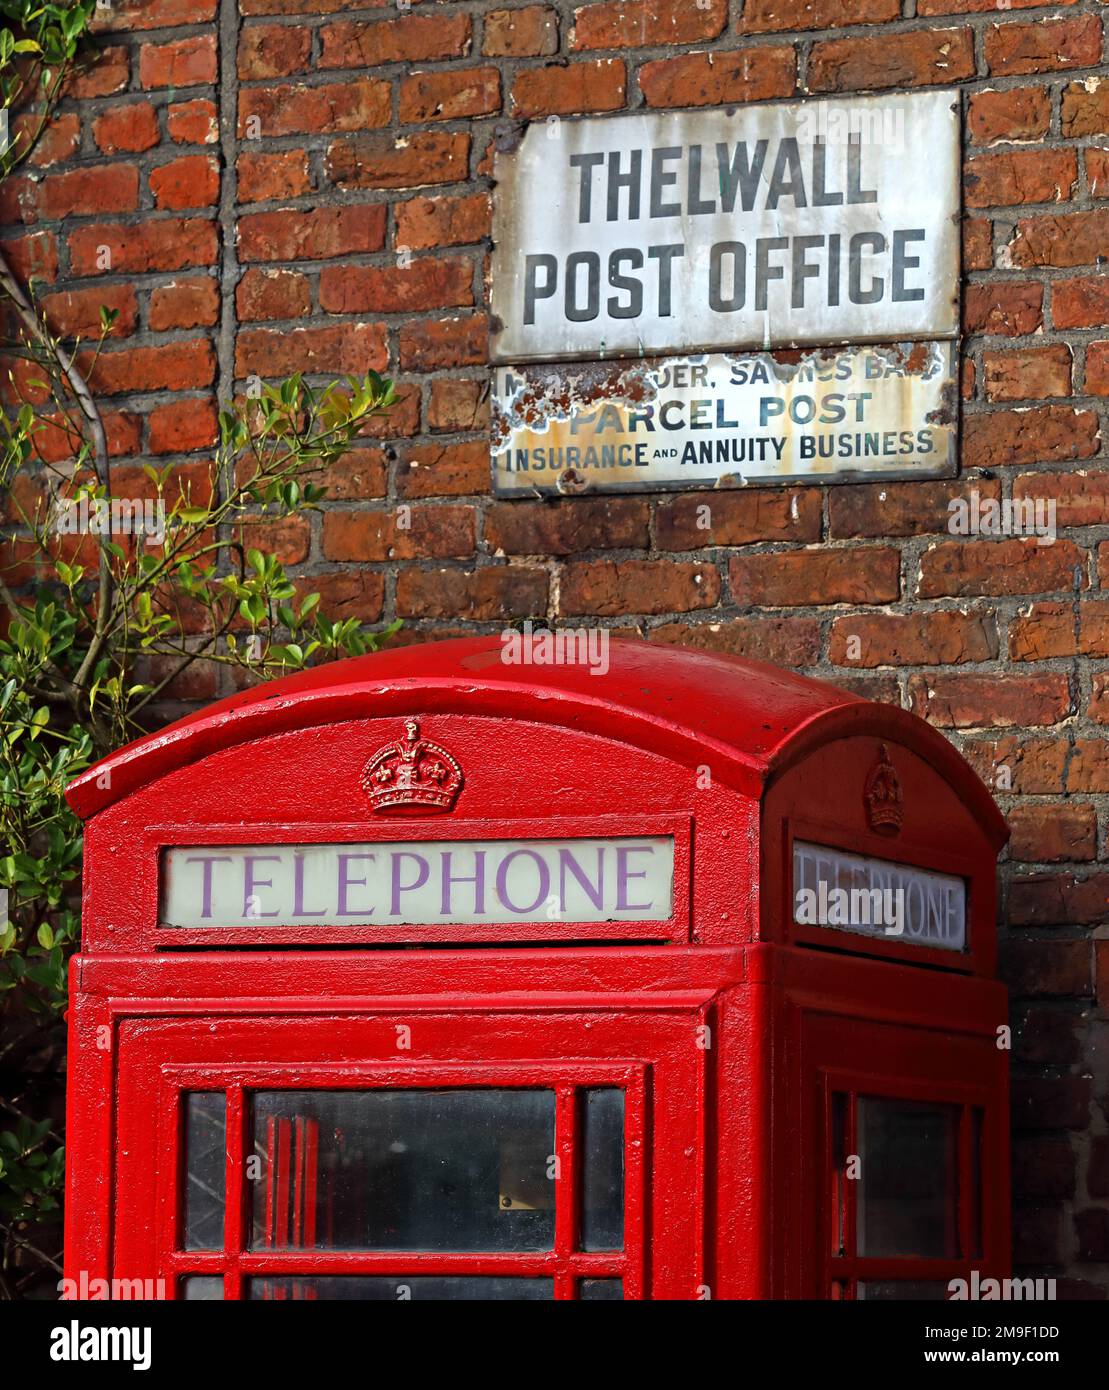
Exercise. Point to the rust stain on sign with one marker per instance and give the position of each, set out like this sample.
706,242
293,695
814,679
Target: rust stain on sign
726,420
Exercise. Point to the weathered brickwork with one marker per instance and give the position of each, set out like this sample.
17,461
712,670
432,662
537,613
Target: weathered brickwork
305,185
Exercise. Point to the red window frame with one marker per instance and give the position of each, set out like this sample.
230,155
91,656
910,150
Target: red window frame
565,1264
842,1272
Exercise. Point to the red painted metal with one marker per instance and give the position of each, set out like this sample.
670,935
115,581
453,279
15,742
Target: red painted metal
730,1028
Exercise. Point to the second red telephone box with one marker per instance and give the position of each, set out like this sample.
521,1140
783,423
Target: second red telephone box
445,973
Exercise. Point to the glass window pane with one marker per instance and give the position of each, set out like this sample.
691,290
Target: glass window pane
202,1286
612,1289
907,1192
466,1169
205,1161
602,1205
901,1290
400,1288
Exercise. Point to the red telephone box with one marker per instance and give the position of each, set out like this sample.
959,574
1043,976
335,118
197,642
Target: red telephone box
446,973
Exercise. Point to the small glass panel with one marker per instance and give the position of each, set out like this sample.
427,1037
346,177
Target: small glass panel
205,1166
202,1286
611,1289
391,1288
464,1170
907,1193
891,1290
602,1206
838,1175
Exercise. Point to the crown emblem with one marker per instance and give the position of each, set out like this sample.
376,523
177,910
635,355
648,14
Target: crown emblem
412,771
882,795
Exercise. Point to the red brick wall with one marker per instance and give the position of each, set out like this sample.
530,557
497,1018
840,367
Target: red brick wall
254,175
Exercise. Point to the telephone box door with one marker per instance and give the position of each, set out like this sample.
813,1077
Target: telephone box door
413,1153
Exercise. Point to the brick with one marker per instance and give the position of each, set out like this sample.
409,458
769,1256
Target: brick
1091,1228
1048,630
414,161
1043,1168
294,109
449,95
32,256
1006,308
1041,970
1043,45
428,345
1084,108
1097,1173
985,702
598,84
1046,1037
1080,302
409,39
54,444
698,520
713,79
288,538
1081,497
109,74
1099,698
191,303
172,367
1020,176
350,347
496,593
1016,113
171,243
646,23
912,639
189,182
409,533
771,16
427,283
356,475
73,313
1053,433
1050,900
964,568
1088,769
272,294
947,7
273,50
458,404
1097,172
1097,369
1045,834
444,470
401,420
859,574
312,234
58,141
126,129
131,16
289,7
1078,238
432,222
785,641
568,527
262,177
346,593
916,58
603,587
187,62
193,122
1028,373
1026,766
977,244
182,427
530,32
106,188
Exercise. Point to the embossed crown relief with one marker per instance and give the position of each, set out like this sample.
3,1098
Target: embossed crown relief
882,794
412,773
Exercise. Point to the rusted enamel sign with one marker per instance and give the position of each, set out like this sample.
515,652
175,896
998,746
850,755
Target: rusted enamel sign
762,226
726,420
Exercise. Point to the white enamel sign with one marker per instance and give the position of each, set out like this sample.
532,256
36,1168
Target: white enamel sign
419,883
759,226
725,420
876,897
